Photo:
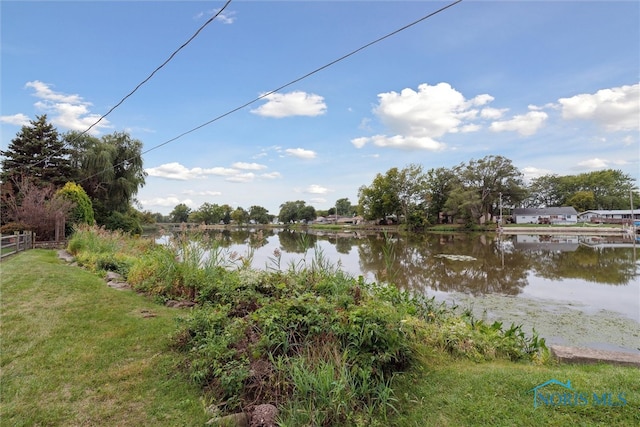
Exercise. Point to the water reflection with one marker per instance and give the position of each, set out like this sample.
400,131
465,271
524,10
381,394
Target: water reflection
476,267
552,276
475,264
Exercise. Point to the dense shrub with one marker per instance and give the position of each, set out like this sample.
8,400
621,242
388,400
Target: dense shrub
82,211
127,222
320,344
98,249
12,227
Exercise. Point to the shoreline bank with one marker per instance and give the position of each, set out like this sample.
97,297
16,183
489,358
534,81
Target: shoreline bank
600,231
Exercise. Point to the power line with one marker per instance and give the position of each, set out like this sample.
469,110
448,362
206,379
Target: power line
173,54
317,70
292,82
159,67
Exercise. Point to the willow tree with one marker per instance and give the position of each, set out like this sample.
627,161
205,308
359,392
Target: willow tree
110,170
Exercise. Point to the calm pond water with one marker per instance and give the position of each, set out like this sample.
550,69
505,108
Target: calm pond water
574,290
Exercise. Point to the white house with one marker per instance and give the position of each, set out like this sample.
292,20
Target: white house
617,215
562,215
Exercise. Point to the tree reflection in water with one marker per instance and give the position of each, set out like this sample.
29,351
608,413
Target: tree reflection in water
419,267
475,264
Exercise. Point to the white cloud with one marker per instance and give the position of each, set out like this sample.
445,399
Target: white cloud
271,175
202,193
301,153
226,17
316,189
67,111
248,166
419,119
176,171
241,177
524,124
402,142
360,142
482,99
172,170
531,172
615,109
43,91
473,127
238,174
365,124
170,201
594,163
15,119
292,104
492,113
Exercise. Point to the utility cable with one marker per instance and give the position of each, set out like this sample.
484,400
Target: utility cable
175,52
159,67
317,70
309,74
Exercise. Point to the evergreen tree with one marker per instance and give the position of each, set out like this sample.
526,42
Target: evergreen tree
38,154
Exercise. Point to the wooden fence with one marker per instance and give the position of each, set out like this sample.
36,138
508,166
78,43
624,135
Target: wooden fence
14,243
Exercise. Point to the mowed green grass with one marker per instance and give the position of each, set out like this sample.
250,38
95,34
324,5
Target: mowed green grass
446,392
76,352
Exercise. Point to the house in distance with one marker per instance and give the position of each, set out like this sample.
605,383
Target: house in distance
561,215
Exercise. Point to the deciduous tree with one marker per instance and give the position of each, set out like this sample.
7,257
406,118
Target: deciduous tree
399,192
489,178
296,211
180,213
439,183
260,215
38,208
240,216
343,207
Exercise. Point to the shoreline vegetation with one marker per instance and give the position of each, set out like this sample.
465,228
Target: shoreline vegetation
580,228
324,348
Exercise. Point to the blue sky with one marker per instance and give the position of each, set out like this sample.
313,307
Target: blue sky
553,86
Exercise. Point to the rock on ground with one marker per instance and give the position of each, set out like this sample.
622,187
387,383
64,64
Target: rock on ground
264,416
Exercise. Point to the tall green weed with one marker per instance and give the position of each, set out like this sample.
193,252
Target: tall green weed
319,343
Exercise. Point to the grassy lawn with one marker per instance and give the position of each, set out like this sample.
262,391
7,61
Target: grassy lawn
76,352
444,392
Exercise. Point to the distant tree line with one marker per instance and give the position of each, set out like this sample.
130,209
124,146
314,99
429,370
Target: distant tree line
470,193
86,179
209,213
290,212
474,192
